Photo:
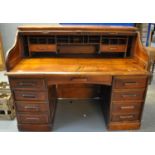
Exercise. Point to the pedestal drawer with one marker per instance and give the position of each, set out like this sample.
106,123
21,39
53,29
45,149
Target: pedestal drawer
27,84
125,117
34,119
126,108
127,95
30,95
32,107
124,82
35,127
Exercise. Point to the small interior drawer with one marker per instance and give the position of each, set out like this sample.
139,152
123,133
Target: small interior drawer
125,117
128,95
30,95
27,84
32,106
112,48
124,82
42,48
126,108
27,118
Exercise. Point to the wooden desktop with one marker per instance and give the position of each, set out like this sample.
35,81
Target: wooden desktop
78,62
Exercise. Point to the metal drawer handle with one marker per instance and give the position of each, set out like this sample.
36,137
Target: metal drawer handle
32,118
128,107
113,48
27,84
45,32
129,95
79,79
31,107
130,83
125,117
43,48
28,96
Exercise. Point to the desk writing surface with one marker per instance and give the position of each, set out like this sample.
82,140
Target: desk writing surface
78,66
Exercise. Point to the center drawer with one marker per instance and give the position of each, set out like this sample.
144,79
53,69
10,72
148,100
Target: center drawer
30,95
35,119
128,95
92,79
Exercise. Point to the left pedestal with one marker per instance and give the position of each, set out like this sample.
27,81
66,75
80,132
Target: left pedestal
35,104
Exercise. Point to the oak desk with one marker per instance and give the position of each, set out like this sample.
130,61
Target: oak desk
76,62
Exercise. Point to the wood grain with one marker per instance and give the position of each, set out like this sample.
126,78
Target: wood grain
77,66
97,65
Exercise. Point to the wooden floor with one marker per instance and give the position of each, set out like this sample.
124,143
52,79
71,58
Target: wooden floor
77,66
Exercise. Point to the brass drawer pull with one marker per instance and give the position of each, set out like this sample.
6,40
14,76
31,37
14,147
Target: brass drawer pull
130,83
27,83
28,96
32,118
31,107
113,48
78,79
42,48
126,117
129,95
128,107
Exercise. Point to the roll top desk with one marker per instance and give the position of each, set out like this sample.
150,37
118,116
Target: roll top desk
77,62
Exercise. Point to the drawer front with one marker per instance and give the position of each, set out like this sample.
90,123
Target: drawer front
35,119
30,96
124,82
80,79
126,108
42,48
35,127
125,117
113,48
128,95
32,107
28,84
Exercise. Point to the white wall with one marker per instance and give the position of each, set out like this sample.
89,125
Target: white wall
8,32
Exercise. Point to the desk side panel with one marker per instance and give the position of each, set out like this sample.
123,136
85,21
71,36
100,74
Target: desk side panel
140,53
14,55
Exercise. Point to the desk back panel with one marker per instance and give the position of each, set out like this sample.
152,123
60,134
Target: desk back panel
79,91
